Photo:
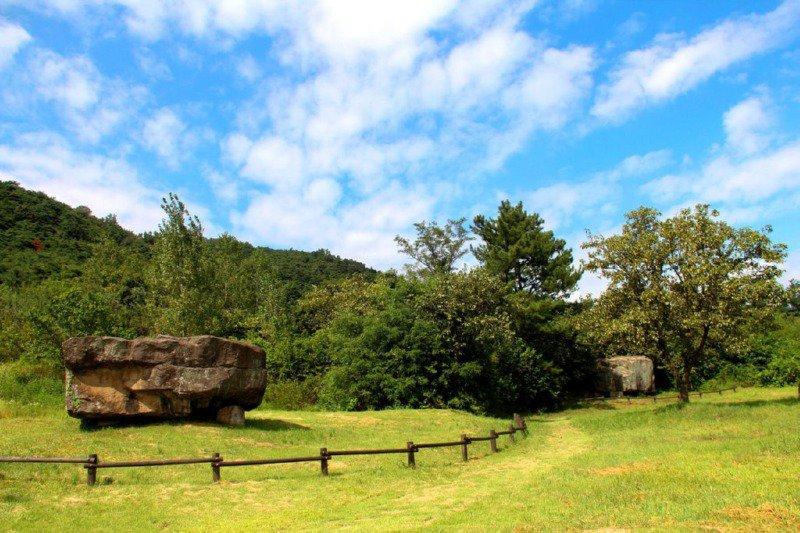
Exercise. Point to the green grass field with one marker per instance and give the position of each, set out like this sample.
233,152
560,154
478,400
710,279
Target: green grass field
726,462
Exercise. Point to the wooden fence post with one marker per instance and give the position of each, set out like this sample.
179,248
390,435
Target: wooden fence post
215,475
511,434
519,422
323,460
91,470
493,440
412,462
464,443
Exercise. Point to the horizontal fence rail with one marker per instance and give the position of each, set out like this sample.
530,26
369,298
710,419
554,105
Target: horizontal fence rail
656,398
278,461
92,462
73,460
367,452
157,462
439,444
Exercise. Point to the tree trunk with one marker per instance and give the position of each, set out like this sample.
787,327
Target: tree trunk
684,383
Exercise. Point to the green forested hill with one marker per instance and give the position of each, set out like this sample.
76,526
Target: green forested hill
41,237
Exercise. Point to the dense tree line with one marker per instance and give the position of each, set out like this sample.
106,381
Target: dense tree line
698,296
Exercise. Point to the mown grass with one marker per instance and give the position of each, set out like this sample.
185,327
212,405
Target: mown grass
728,462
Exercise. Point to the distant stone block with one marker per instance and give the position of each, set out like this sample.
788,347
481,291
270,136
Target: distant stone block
626,375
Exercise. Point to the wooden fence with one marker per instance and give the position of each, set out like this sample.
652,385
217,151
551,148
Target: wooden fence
92,463
656,398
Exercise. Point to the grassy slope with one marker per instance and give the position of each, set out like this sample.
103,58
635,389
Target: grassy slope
724,461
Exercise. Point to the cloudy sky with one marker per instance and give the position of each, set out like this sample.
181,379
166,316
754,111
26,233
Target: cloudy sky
337,124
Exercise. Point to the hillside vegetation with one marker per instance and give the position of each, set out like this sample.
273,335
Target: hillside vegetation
728,461
698,296
65,272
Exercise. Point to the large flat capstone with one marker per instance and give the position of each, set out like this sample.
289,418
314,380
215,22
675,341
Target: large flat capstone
626,374
108,378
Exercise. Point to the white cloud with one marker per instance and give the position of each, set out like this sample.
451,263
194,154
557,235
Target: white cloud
47,163
274,161
672,64
247,67
168,136
373,99
747,125
499,86
561,203
224,187
92,105
745,178
362,230
71,81
12,38
235,148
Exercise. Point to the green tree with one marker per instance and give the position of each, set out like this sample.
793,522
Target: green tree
180,278
436,248
793,298
682,289
517,248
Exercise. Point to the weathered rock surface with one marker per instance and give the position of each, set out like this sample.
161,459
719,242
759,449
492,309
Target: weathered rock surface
109,378
231,416
626,374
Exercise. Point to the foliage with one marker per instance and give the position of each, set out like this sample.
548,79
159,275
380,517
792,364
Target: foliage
776,354
31,383
292,394
517,249
683,289
436,249
496,338
793,298
41,238
438,340
537,267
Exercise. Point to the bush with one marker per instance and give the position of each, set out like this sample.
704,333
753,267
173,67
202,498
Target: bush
784,367
31,383
292,395
733,375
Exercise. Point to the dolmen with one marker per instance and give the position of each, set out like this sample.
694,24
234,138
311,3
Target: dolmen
626,375
109,379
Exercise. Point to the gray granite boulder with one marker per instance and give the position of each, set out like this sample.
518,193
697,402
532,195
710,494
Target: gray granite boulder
626,375
164,377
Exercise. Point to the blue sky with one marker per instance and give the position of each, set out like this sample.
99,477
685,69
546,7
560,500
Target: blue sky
338,124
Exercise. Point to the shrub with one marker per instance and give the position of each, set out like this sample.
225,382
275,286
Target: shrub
292,395
31,383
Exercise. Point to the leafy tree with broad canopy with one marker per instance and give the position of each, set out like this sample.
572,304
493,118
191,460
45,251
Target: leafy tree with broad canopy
682,289
436,248
517,249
